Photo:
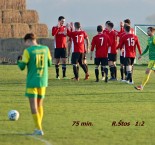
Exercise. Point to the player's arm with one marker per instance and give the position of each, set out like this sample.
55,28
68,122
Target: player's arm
87,44
49,58
22,61
69,45
120,44
109,44
139,47
55,30
92,48
121,27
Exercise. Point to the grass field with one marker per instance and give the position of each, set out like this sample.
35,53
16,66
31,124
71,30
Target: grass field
67,101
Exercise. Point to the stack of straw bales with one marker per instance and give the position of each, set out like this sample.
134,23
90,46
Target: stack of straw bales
13,4
16,21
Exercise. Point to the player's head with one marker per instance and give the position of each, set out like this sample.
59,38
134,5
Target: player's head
106,24
110,26
150,31
127,21
77,25
30,39
127,27
99,28
61,20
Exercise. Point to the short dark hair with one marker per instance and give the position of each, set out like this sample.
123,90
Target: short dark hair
61,17
30,36
127,21
127,27
77,25
99,28
107,22
151,29
110,24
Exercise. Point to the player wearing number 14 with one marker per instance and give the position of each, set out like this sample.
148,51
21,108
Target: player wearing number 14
37,58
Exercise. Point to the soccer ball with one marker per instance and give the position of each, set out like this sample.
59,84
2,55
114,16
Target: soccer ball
13,115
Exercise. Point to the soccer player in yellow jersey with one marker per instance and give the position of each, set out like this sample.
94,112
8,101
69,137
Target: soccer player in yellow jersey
151,48
37,58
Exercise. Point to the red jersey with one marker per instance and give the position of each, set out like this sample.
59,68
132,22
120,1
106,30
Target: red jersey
101,42
132,31
113,38
78,38
130,41
60,40
105,30
121,34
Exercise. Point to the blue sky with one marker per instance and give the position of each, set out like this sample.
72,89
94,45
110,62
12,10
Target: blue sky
94,12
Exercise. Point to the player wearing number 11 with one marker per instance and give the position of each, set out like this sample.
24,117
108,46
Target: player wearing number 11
37,58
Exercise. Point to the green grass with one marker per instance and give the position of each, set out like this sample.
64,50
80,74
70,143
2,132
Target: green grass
67,101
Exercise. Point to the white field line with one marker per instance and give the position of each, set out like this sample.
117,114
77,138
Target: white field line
32,136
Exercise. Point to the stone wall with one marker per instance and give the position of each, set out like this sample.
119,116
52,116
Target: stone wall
11,48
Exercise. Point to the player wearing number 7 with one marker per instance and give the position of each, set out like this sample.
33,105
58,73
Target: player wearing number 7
130,43
37,58
101,43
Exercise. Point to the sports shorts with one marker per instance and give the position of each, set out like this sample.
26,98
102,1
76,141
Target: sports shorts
60,53
35,92
151,65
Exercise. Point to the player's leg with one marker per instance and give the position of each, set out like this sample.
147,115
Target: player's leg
151,66
83,65
114,58
147,76
75,58
41,96
32,94
115,68
125,72
64,60
97,63
57,62
112,70
129,64
111,67
145,80
86,66
122,67
35,114
102,72
104,63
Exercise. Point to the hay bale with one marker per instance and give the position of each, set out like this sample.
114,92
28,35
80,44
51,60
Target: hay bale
41,30
13,4
19,30
0,17
5,31
29,16
11,16
2,4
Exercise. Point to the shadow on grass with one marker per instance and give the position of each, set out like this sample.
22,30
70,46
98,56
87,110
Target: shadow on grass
15,134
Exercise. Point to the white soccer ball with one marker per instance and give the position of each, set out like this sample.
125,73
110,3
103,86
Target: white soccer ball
13,115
